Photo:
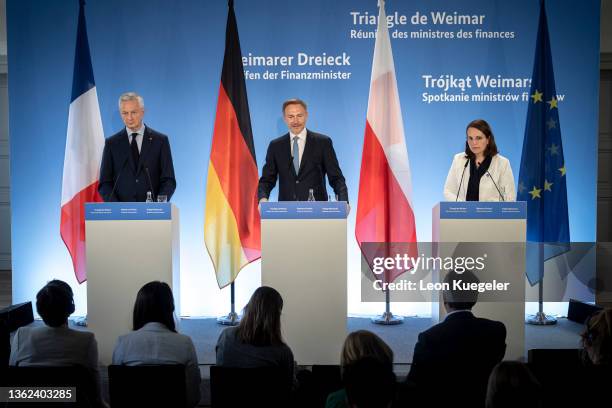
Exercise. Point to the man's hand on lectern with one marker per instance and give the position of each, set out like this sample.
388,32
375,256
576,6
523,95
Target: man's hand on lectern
263,200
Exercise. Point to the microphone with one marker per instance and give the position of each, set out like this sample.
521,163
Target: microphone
461,182
117,179
150,184
495,184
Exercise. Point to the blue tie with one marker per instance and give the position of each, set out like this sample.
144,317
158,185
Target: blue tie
296,155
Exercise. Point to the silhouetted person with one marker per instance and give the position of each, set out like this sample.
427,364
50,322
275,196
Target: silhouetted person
457,354
257,340
55,344
155,340
597,338
5,344
369,383
512,384
358,345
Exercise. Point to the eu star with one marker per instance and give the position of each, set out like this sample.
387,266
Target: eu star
553,103
547,185
562,170
535,193
537,96
553,149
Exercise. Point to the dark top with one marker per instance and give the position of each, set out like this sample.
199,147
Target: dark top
337,399
476,173
231,352
318,160
5,344
457,355
131,181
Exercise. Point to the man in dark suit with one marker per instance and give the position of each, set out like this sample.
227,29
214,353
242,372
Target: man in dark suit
137,159
300,160
453,359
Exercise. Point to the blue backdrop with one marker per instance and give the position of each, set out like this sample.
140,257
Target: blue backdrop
171,52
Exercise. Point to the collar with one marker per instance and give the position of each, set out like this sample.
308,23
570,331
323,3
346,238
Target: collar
301,135
458,313
155,326
139,131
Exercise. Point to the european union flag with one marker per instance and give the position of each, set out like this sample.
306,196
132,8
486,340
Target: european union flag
542,178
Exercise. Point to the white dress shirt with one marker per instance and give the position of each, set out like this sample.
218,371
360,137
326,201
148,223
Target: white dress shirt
301,143
139,136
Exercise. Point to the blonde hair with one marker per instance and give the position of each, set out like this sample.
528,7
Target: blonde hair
294,101
363,343
597,337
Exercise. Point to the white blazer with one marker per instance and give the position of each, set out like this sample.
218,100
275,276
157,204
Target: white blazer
499,171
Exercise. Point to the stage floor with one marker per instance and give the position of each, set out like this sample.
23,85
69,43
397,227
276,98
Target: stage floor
401,338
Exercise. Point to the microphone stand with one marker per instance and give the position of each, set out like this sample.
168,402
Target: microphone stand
461,182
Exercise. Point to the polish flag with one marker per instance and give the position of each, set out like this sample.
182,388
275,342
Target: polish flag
84,145
384,209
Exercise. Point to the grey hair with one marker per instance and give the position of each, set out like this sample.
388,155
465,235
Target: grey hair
131,96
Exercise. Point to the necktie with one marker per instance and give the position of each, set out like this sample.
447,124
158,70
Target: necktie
134,149
296,155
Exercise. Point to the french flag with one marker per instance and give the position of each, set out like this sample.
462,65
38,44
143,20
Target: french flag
384,207
84,145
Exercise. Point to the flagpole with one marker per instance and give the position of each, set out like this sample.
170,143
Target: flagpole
542,167
388,318
540,318
232,319
384,201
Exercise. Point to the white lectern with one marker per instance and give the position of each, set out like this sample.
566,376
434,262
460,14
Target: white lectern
128,245
303,256
488,222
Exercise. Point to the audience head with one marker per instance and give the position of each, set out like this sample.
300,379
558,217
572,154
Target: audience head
511,384
261,320
154,303
458,299
54,303
362,343
369,383
597,337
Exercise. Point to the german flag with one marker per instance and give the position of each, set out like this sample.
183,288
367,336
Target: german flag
231,219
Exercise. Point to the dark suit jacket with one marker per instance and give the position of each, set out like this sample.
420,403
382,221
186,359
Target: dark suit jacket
132,181
318,159
453,359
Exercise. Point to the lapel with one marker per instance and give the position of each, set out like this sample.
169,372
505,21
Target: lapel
147,139
125,148
308,148
286,146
